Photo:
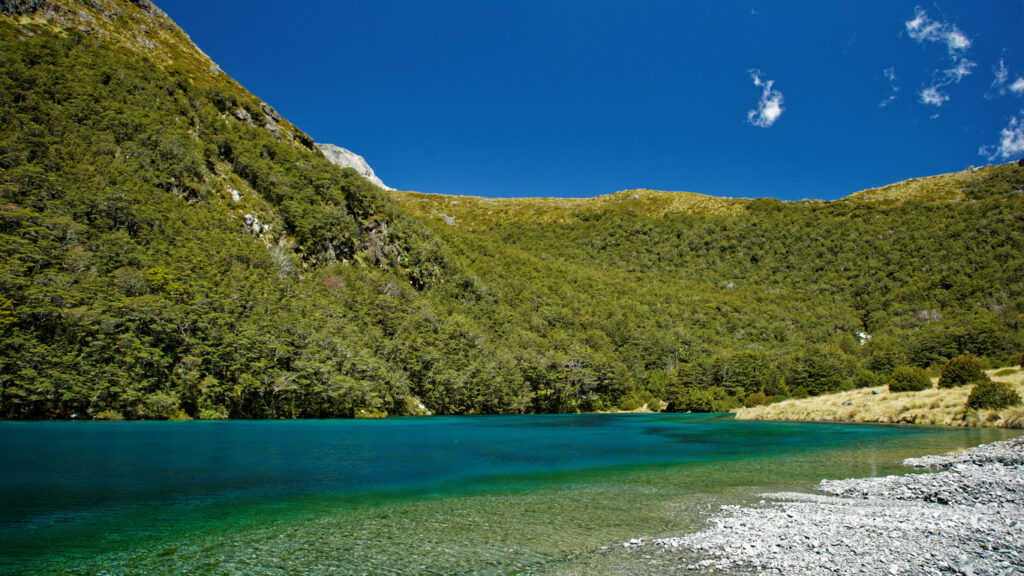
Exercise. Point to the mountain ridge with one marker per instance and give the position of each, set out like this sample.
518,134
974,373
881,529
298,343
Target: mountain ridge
478,211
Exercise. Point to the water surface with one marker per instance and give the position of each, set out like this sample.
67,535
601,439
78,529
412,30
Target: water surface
440,495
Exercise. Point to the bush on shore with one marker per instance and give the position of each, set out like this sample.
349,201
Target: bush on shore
989,394
961,371
909,379
757,399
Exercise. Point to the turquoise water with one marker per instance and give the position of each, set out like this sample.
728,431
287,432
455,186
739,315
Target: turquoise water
458,495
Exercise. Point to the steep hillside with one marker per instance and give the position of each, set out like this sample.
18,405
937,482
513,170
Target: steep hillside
703,301
171,247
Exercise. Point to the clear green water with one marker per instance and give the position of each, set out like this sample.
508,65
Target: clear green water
461,495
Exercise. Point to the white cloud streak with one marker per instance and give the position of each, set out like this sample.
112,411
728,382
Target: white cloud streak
1002,74
923,29
769,107
894,87
999,86
1011,141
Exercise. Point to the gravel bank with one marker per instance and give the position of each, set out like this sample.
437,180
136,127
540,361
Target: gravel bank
965,518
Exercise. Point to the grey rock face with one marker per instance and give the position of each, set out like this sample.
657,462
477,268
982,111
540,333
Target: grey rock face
148,7
348,159
16,7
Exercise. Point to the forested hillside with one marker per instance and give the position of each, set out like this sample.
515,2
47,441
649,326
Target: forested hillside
170,247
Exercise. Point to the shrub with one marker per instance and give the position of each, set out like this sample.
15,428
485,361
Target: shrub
989,394
1017,360
868,379
757,399
961,371
630,403
909,379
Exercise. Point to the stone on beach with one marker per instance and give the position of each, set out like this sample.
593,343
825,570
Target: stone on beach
965,518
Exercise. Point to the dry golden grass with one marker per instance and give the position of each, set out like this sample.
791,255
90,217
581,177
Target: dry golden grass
935,406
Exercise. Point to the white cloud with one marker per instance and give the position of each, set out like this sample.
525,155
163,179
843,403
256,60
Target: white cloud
1002,74
894,88
1011,141
999,86
932,95
769,108
923,29
962,67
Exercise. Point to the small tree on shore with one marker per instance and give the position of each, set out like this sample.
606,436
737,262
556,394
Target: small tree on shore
909,379
989,394
757,399
961,371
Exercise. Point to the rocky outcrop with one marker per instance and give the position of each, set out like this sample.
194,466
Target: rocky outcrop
16,7
148,6
348,159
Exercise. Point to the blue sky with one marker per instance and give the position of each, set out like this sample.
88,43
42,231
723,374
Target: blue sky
574,99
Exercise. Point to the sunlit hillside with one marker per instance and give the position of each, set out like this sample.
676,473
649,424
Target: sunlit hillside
171,247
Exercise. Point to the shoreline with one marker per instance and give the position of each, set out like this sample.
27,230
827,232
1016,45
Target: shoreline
963,516
931,407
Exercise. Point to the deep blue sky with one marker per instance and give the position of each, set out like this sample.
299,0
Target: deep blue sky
559,98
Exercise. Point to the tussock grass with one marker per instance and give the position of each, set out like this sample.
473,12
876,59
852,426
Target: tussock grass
934,406
945,187
476,213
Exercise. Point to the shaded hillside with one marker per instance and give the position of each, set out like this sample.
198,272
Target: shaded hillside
171,247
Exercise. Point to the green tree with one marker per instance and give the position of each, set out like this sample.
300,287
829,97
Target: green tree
989,394
909,379
961,371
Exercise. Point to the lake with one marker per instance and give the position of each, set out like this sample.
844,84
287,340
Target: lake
552,494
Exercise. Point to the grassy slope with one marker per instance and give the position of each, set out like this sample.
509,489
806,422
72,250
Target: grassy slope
938,406
477,213
473,212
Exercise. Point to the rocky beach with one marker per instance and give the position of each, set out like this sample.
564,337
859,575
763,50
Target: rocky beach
964,515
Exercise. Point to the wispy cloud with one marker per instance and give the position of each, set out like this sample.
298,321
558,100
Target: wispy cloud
932,95
922,28
769,108
894,87
1002,74
1001,82
1011,141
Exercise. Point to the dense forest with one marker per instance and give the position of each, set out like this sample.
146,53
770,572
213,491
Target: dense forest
170,247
